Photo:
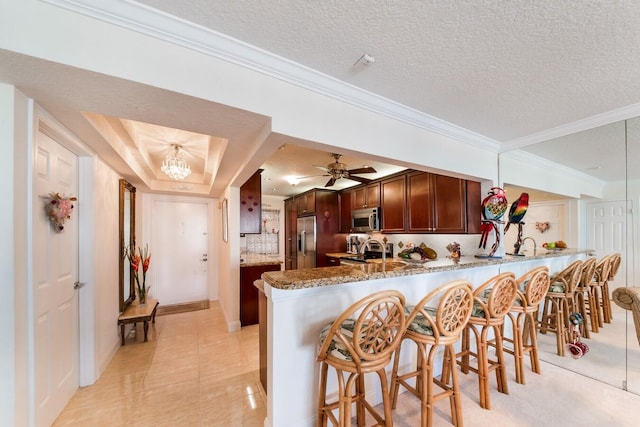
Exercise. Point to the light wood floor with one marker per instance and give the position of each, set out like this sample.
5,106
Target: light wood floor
192,372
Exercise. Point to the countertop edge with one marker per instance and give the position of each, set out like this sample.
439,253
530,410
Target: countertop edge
328,276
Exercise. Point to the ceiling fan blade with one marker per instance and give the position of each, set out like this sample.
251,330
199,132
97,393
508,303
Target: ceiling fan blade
312,176
359,179
330,182
368,169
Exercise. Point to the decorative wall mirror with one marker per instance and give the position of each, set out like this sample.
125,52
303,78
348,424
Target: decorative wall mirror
127,212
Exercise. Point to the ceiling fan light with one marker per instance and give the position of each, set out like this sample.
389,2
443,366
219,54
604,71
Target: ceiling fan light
293,180
174,165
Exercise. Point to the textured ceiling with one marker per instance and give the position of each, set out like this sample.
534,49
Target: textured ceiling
503,69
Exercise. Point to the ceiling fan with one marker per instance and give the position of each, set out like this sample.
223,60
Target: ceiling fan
339,170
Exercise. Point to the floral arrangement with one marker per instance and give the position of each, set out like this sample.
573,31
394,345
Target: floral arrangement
135,259
59,210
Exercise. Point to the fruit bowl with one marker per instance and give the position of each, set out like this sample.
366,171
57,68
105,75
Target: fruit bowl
417,261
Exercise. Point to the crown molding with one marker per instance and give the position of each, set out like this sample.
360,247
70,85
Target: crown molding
547,164
592,122
155,23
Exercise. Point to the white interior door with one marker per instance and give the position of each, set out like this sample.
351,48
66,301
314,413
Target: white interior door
55,270
606,232
179,251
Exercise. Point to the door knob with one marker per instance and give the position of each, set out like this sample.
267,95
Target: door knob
77,285
203,259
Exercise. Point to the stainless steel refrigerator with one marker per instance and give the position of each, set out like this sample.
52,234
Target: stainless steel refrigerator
306,242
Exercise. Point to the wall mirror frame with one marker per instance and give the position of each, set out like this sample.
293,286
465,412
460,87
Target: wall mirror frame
225,220
127,226
607,154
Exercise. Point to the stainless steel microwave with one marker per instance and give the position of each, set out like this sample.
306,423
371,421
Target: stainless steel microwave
365,220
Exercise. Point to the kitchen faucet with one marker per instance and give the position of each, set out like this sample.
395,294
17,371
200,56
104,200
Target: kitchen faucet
364,246
534,244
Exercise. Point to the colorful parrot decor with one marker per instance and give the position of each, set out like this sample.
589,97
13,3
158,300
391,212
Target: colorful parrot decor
516,215
518,210
493,208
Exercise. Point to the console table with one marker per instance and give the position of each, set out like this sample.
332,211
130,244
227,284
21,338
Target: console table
135,313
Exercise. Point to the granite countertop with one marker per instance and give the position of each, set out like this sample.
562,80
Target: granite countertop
396,267
252,260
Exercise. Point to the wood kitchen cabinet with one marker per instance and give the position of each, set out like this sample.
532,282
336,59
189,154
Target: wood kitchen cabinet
367,196
393,200
290,241
251,205
333,261
420,212
249,293
418,202
306,203
436,204
474,207
345,200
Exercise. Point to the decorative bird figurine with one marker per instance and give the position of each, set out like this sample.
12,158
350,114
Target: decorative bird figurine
517,211
493,208
494,205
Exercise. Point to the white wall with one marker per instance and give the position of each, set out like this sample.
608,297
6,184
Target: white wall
12,354
106,261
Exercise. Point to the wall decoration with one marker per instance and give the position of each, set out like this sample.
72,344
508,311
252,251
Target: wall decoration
59,210
542,226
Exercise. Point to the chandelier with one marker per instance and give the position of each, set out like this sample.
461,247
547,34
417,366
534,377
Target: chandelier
174,165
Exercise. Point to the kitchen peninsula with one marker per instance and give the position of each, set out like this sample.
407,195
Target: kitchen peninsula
301,302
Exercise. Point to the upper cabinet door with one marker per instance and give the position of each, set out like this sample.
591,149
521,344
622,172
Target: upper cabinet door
307,203
450,205
366,197
420,209
393,201
251,204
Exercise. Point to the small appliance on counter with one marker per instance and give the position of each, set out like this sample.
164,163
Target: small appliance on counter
353,244
373,251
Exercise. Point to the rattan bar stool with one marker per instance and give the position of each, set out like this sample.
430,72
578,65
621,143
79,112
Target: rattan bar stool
615,260
585,300
492,300
435,322
600,289
558,304
360,341
532,288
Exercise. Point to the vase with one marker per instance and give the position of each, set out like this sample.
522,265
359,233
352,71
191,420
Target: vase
142,297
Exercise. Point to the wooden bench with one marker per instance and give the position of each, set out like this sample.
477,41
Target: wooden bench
134,313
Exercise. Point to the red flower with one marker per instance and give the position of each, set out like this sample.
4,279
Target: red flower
135,259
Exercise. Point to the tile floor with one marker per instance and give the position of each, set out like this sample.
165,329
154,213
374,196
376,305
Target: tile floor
193,373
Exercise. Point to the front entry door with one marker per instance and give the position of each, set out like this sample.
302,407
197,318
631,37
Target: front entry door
606,233
55,270
180,251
